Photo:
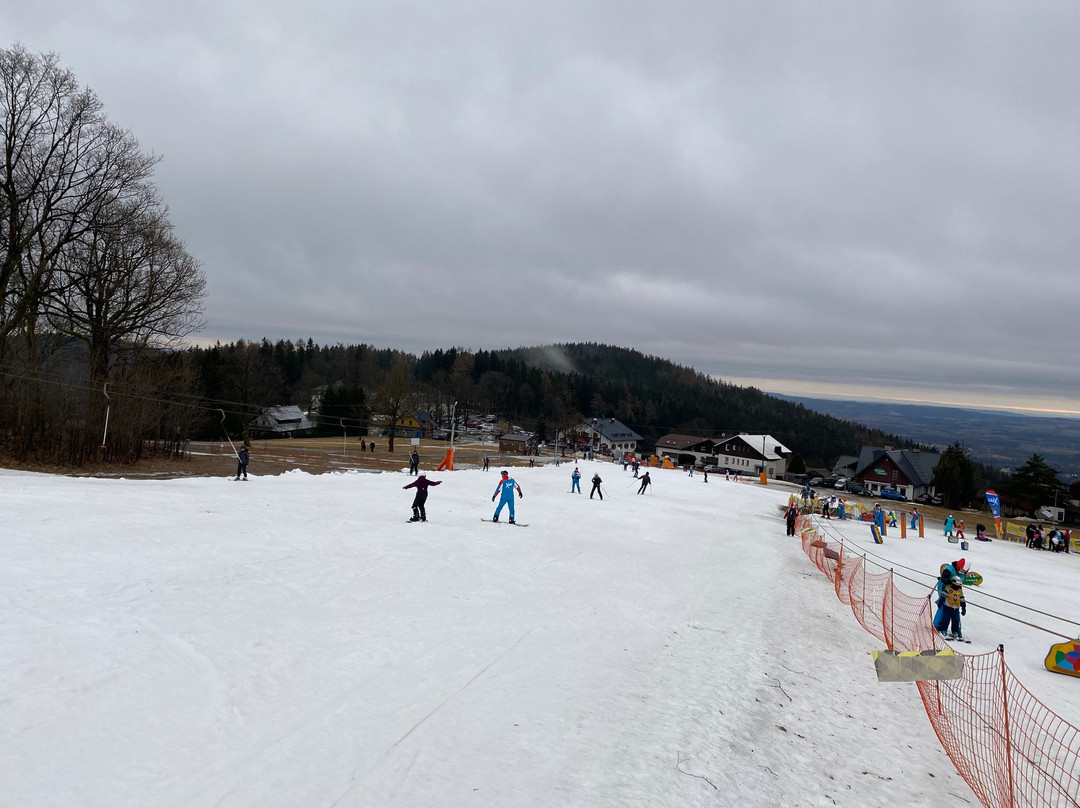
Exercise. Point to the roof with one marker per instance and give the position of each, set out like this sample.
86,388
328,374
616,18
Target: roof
287,418
846,463
612,430
774,449
514,436
675,441
918,467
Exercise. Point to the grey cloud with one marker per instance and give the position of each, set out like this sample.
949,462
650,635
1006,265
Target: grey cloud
837,191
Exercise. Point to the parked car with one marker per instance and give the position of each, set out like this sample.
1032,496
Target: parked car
828,482
840,483
929,499
814,482
858,489
711,469
893,494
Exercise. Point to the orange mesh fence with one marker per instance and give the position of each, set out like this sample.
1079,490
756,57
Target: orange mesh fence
1011,748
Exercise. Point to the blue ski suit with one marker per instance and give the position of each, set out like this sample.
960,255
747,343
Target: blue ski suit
575,482
507,486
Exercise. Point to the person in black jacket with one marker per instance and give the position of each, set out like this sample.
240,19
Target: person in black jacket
645,483
242,458
421,484
596,486
414,463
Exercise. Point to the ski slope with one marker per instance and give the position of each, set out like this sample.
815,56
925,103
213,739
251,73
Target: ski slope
292,641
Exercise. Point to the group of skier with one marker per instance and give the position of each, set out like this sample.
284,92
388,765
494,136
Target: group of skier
504,491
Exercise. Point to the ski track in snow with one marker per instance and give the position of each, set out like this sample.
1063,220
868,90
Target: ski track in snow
291,642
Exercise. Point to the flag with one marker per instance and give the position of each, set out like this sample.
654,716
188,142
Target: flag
994,502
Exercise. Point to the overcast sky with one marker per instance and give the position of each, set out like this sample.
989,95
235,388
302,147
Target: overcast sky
834,198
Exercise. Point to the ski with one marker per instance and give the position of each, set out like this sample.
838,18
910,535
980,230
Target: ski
516,524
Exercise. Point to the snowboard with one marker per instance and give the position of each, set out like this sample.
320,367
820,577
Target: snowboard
950,638
515,524
971,578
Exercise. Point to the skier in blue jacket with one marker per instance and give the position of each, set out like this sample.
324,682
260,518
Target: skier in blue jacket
506,486
575,482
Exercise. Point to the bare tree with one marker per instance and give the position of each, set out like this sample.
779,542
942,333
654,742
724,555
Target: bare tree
62,164
126,284
394,398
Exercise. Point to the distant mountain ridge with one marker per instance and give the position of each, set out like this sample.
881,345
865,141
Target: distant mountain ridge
1001,439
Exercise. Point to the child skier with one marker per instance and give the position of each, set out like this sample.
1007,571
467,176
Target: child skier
242,458
421,484
575,482
506,486
951,604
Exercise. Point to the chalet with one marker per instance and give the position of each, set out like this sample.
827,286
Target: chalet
416,424
608,436
686,449
909,472
752,454
286,420
519,443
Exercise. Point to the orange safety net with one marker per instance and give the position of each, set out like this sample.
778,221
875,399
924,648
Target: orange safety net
1011,748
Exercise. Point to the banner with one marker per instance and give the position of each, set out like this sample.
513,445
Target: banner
994,502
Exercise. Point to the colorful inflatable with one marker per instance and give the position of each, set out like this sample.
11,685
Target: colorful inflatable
1064,658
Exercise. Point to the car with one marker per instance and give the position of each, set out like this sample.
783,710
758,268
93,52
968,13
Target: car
814,482
711,469
858,489
893,494
840,483
929,499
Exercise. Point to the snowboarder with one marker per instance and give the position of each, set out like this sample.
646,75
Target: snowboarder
506,486
951,604
575,482
414,463
596,486
892,519
242,458
791,514
421,484
645,483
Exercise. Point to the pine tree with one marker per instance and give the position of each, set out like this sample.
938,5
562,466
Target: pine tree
1034,484
954,477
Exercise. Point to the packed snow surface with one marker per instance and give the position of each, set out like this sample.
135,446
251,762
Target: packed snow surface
293,641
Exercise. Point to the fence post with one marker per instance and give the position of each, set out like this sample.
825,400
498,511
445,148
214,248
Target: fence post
1008,738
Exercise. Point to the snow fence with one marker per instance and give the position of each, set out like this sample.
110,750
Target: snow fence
1011,748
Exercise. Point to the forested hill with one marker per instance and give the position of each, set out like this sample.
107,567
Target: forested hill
655,396
546,388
